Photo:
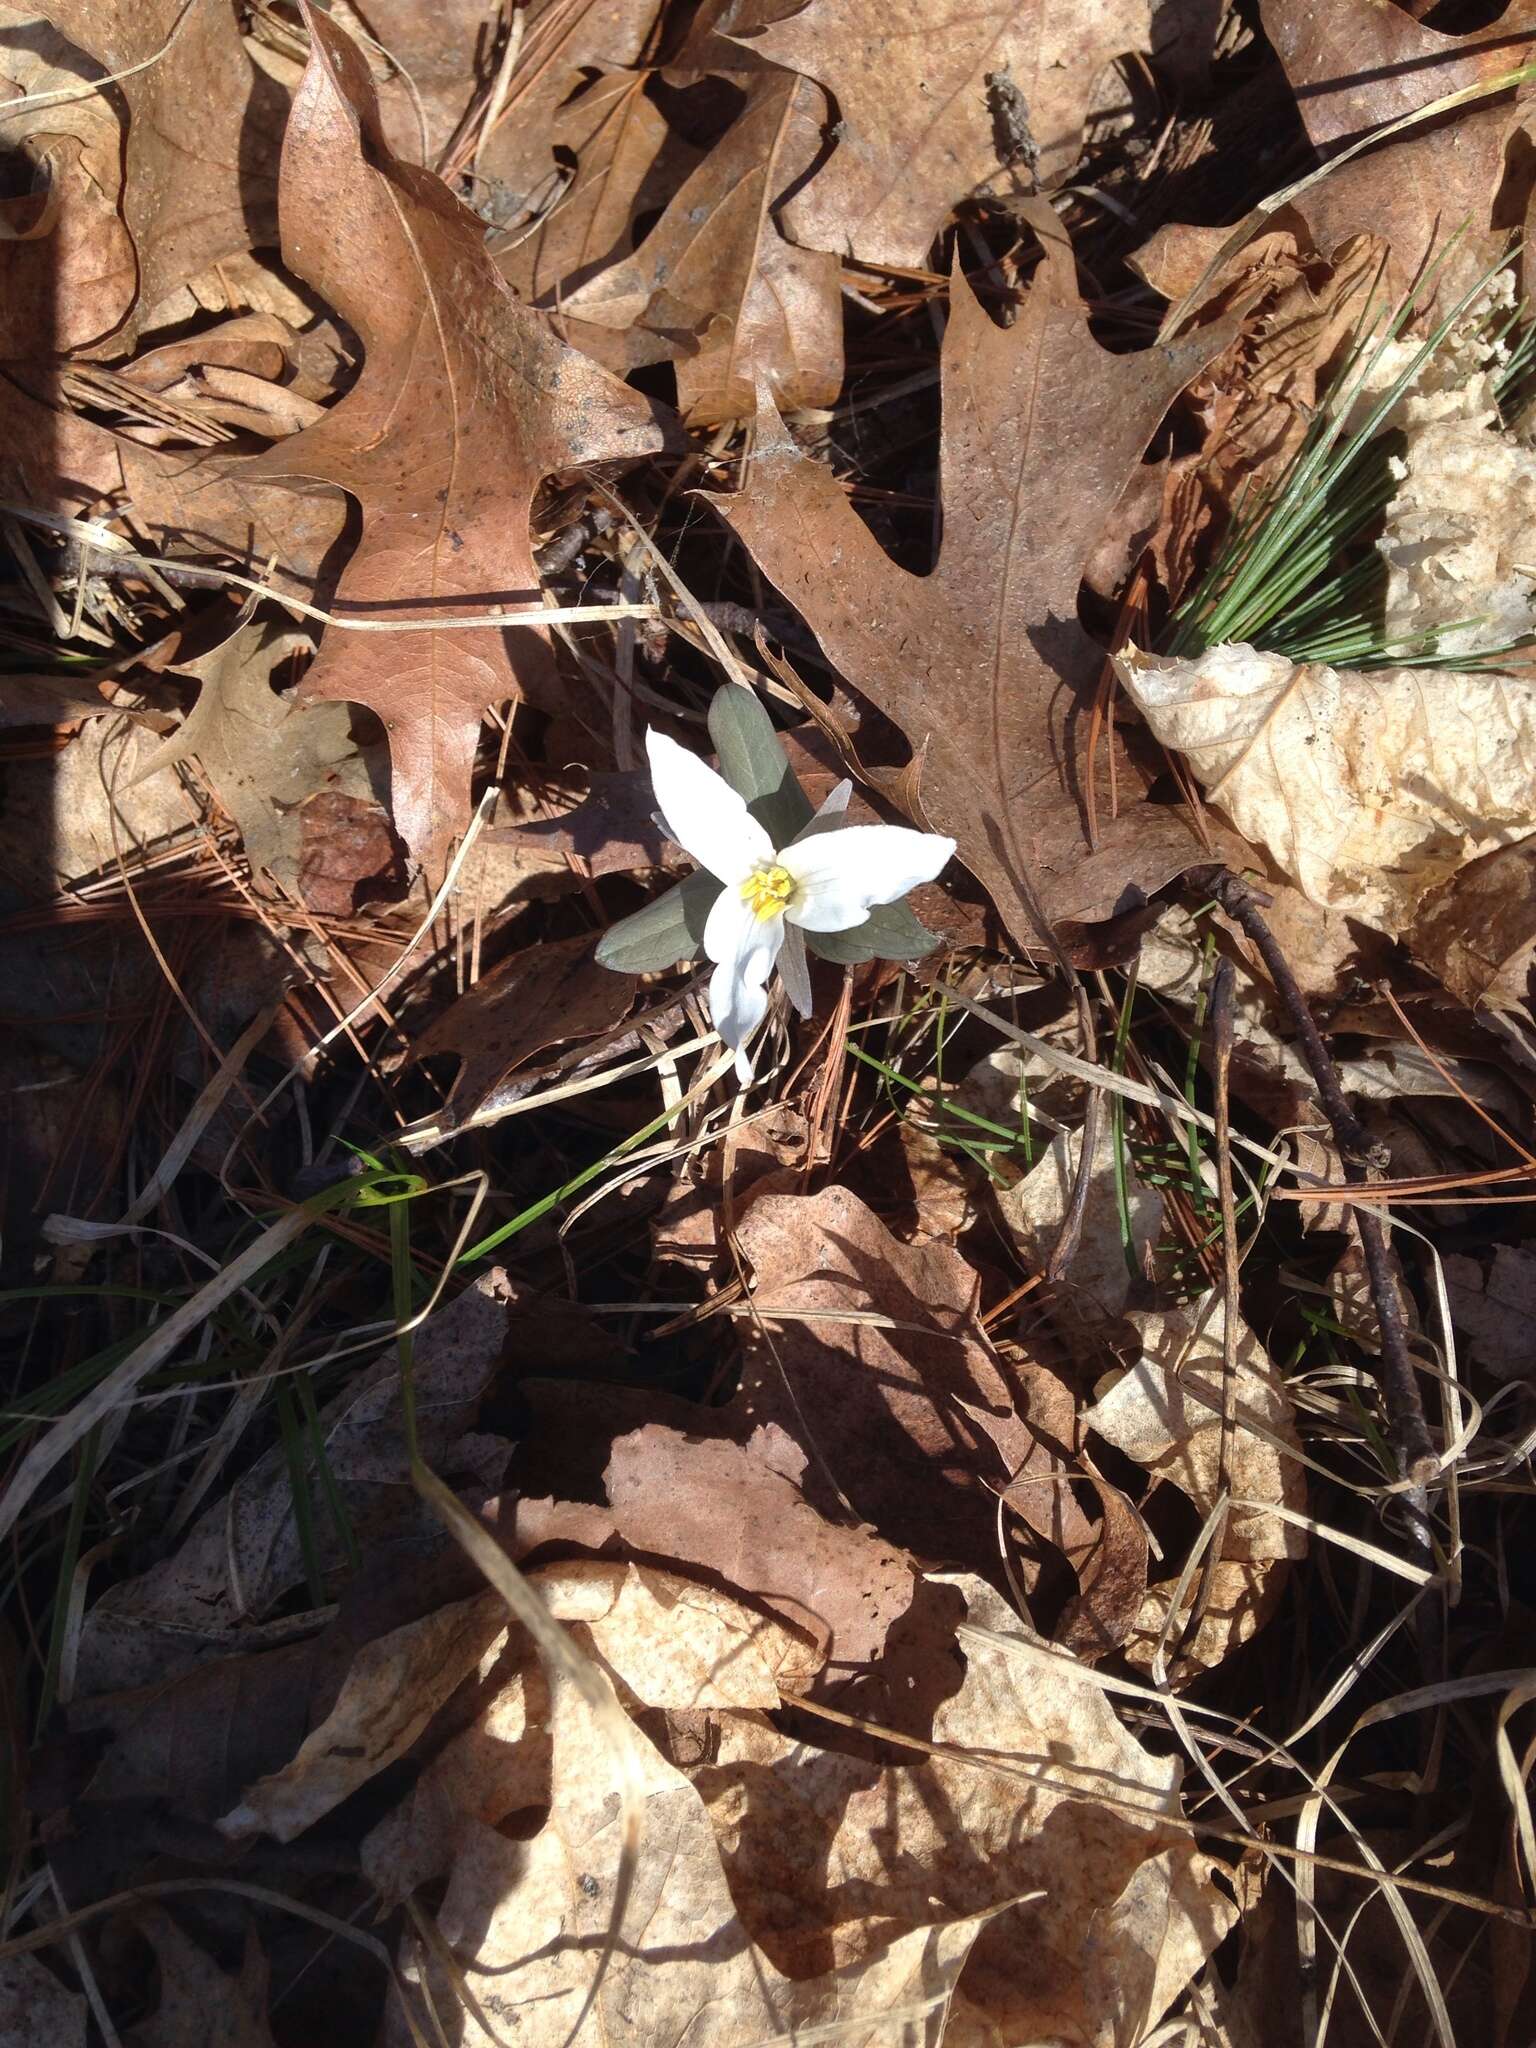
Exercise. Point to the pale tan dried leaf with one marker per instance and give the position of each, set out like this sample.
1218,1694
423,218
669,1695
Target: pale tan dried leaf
1367,789
529,1923
832,1855
1097,1281
1165,1414
669,1642
915,133
393,1688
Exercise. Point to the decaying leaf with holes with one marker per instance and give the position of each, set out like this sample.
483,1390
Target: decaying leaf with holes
983,663
465,402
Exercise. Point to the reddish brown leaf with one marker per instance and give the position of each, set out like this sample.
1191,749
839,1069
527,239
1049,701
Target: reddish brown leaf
466,400
543,997
983,662
915,131
189,175
872,1348
1355,65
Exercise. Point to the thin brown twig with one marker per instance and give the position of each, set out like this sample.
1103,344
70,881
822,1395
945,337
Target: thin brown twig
1407,1430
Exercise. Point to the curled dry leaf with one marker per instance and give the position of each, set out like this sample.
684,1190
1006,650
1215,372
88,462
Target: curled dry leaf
915,134
1166,1415
1478,931
716,285
671,1644
1368,789
983,663
465,402
244,1553
870,1350
831,1855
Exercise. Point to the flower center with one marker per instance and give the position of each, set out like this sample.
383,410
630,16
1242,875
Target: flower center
766,891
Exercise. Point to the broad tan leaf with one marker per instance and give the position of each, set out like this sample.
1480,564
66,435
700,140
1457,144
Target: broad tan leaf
717,285
1097,1281
465,402
1166,1415
915,135
983,663
202,2006
671,1644
1367,789
529,1921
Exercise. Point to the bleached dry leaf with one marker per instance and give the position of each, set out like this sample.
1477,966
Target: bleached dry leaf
244,1553
1367,789
529,1921
393,1688
670,1643
1097,1281
832,1856
1165,1414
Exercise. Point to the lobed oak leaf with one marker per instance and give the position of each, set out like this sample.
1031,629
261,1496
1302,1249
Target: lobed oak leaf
915,135
466,401
983,662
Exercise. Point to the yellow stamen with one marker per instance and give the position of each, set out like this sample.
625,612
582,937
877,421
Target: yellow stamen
766,891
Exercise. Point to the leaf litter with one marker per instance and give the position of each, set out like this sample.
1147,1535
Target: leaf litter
1005,1524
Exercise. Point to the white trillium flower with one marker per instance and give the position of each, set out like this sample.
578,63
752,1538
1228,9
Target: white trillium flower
828,878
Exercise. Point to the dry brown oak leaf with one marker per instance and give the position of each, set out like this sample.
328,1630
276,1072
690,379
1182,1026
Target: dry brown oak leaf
983,663
465,402
131,214
915,133
1355,65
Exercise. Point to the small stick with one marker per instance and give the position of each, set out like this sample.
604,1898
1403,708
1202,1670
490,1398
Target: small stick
1407,1430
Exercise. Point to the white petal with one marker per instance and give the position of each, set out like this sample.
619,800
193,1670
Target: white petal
744,947
831,817
704,814
795,970
840,876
